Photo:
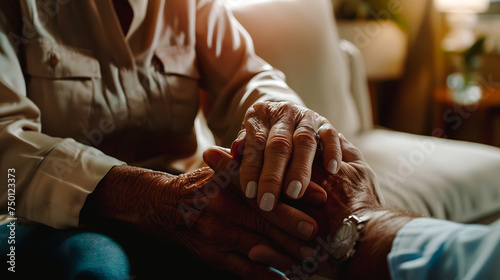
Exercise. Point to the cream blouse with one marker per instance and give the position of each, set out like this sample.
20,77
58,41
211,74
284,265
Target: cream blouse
77,96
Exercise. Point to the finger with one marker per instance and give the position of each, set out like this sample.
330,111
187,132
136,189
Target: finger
282,226
298,174
240,238
238,145
349,152
277,155
227,170
332,151
256,135
289,219
221,160
314,195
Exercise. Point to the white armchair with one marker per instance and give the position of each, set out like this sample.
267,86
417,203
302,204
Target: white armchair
441,178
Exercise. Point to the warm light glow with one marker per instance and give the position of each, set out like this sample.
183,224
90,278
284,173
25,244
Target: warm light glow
462,6
462,18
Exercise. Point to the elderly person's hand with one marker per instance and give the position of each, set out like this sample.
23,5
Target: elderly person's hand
202,211
353,190
277,145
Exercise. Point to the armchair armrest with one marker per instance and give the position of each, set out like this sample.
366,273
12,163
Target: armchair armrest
359,87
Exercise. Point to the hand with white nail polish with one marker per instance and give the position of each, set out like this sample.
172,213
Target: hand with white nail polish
277,146
352,190
286,217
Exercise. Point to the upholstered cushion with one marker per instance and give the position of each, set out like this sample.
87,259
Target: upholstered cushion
441,178
299,38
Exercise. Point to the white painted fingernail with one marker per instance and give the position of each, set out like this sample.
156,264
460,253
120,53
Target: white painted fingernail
251,190
332,166
267,202
294,189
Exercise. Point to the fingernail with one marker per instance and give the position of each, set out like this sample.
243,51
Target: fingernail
212,158
307,252
332,166
318,198
251,190
323,126
305,228
267,202
294,189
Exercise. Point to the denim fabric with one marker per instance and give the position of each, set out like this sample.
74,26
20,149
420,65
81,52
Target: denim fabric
42,252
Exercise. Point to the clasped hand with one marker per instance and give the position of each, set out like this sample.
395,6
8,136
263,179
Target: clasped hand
354,189
214,213
277,145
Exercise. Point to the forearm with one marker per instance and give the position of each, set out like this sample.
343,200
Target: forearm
146,199
371,256
123,195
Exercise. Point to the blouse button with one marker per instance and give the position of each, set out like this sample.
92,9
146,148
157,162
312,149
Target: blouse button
53,60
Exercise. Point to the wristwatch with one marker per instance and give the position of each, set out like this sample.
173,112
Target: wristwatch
347,238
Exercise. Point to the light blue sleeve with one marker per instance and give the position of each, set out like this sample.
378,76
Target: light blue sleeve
435,249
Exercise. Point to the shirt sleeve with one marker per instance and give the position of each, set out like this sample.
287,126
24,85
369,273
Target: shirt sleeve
436,249
232,74
52,176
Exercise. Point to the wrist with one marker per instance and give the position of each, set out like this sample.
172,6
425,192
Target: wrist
371,255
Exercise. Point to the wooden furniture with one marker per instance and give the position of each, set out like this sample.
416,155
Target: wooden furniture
450,115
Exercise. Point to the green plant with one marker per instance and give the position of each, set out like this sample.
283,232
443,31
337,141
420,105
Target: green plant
467,61
369,10
463,81
471,55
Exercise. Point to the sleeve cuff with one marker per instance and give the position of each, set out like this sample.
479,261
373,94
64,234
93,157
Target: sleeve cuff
63,181
417,246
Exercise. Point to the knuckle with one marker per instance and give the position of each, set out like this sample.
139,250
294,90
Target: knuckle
299,172
257,107
271,179
287,106
257,141
304,138
355,151
250,113
256,111
251,169
285,110
328,129
279,145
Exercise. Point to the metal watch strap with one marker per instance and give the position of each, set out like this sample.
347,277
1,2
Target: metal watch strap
359,221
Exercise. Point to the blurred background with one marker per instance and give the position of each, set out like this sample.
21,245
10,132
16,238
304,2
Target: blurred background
432,65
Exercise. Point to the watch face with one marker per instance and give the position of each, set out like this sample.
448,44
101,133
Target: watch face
344,240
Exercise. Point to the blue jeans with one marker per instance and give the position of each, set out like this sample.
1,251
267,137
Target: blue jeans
42,252
116,252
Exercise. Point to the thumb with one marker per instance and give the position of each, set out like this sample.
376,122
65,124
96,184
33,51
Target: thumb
219,159
349,152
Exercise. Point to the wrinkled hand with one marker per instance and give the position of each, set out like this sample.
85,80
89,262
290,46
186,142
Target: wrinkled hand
353,189
277,145
202,210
